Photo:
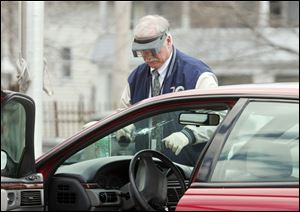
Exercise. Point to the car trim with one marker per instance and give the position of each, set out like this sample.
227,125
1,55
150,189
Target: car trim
18,186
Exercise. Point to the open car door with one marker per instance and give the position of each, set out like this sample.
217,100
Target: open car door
21,186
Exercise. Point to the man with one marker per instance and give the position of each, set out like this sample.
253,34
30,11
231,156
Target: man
165,70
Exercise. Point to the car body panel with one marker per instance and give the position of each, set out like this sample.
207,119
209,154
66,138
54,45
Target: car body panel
240,199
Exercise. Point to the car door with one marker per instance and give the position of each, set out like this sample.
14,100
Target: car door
21,187
253,161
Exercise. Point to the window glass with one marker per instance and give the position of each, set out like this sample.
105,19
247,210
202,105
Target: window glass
66,62
149,134
263,145
13,122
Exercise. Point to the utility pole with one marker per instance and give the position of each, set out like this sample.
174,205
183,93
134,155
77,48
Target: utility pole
264,13
121,65
31,41
103,16
185,17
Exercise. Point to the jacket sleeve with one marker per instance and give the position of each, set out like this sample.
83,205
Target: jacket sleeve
125,98
207,80
201,134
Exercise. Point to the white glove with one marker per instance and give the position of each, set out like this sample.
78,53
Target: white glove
126,133
176,141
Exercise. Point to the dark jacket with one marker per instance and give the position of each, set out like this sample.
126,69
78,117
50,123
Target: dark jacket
183,73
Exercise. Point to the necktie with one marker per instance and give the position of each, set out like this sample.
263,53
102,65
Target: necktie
156,84
157,133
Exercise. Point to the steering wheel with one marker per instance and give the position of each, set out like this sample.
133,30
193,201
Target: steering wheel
150,184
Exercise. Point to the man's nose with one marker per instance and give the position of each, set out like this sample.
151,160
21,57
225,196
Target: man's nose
147,53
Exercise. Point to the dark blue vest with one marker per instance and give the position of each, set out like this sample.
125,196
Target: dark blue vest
183,73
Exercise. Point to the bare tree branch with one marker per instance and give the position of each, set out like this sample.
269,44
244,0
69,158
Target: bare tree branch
258,33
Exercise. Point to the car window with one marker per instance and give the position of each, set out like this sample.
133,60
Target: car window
262,146
13,122
149,133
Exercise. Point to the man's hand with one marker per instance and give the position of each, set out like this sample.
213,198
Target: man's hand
176,141
125,135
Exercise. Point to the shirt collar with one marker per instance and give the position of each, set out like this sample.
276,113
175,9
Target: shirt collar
163,69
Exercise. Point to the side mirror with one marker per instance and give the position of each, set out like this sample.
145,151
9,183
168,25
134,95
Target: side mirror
17,135
199,119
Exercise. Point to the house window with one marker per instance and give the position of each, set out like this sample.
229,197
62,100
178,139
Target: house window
284,13
276,14
275,8
66,62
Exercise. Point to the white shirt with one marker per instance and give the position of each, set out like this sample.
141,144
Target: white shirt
162,73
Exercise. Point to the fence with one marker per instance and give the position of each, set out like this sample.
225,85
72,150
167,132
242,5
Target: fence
63,119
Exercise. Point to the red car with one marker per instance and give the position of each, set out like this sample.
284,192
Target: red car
244,154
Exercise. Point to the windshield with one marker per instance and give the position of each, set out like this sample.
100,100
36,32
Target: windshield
181,143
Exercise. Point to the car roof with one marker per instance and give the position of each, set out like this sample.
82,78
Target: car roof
270,89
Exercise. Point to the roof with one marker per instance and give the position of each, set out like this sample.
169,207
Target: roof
269,89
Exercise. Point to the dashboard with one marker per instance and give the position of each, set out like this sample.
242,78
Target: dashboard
103,183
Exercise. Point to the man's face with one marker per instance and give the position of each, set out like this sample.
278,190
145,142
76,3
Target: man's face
157,60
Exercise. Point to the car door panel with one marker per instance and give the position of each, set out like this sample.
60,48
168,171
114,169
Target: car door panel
244,199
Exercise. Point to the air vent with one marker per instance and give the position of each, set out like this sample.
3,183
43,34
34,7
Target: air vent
63,187
173,195
31,198
64,195
174,191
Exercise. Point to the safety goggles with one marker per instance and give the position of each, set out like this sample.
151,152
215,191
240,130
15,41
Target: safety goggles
150,44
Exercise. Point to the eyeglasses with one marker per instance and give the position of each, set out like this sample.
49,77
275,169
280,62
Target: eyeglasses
154,45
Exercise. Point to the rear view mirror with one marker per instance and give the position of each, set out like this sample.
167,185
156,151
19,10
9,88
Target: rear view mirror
199,119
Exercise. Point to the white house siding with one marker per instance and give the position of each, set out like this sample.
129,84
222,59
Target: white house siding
74,27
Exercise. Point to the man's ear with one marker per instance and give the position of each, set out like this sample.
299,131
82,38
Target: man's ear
169,41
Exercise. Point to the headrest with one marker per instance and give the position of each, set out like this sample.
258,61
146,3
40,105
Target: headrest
268,159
